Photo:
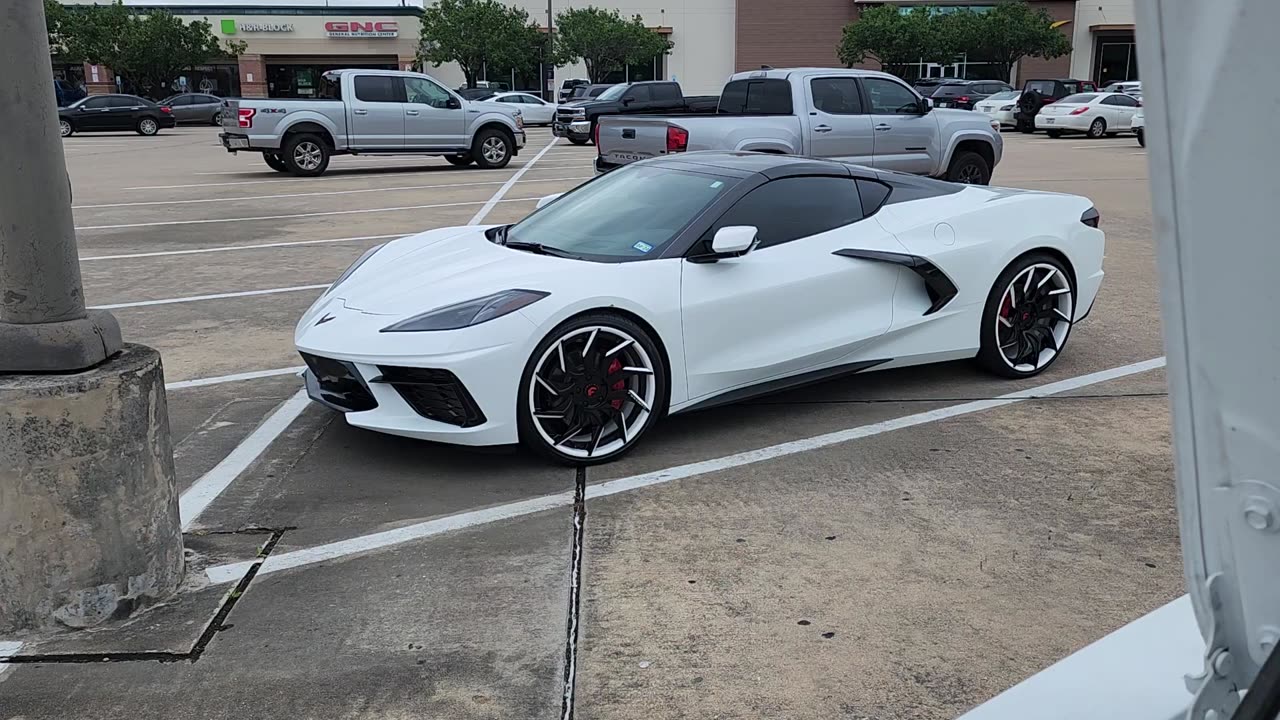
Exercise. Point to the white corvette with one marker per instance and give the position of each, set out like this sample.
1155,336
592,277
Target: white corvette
689,281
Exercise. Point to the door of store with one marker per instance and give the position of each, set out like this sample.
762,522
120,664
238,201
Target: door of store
1115,58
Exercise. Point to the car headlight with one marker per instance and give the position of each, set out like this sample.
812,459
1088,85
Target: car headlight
1006,108
354,266
471,312
519,119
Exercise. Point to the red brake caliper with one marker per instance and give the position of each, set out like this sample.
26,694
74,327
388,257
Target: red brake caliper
614,367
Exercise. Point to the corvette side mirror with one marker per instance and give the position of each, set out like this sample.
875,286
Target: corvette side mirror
734,241
547,200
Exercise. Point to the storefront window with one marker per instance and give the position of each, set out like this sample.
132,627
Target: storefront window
1115,58
640,72
304,80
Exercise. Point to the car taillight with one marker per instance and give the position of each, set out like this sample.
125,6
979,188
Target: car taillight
245,117
677,139
1080,110
1091,217
963,98
165,109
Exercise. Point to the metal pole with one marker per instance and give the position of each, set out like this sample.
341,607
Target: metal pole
549,81
43,322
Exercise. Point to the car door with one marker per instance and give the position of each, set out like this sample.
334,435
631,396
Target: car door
665,98
535,110
839,126
433,117
637,100
906,139
791,304
180,106
92,114
1122,108
123,112
377,110
204,107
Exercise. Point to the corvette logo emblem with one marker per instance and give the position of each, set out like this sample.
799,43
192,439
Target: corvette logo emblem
327,317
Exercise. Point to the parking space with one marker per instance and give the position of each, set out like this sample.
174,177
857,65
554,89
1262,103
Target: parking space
950,544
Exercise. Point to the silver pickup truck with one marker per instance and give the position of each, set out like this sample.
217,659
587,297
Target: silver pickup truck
860,116
373,112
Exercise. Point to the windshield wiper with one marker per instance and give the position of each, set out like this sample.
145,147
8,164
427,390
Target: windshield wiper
539,249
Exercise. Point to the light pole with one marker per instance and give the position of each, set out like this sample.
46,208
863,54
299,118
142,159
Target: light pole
549,71
89,519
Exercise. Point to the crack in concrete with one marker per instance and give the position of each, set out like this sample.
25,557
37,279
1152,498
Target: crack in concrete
575,596
216,625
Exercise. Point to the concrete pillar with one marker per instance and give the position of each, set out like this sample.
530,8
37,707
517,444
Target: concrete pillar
89,525
253,76
43,323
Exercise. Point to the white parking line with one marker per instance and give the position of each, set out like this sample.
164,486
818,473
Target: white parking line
204,491
315,194
353,176
198,298
287,217
237,377
497,197
342,548
7,650
228,248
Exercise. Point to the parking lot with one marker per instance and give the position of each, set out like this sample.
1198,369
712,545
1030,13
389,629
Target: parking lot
893,545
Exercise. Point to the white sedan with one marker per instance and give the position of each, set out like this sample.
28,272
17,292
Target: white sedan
1000,107
535,110
1094,114
689,281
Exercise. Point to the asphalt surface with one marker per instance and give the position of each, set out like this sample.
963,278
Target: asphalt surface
910,572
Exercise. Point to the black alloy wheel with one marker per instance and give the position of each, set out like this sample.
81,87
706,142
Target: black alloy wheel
969,168
1027,317
591,389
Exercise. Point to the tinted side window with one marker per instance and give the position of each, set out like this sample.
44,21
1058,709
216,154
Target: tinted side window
638,93
794,208
838,96
124,101
665,92
1126,101
890,98
1044,87
756,97
378,88
873,195
182,100
206,99
97,102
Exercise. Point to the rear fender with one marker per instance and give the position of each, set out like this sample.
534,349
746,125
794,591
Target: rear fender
767,145
954,140
297,118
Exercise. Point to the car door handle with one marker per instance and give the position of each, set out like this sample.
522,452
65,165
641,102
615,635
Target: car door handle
883,127
360,112
410,112
822,128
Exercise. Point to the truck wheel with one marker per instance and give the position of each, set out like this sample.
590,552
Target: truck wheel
1142,137
1053,133
305,155
274,162
459,160
969,168
491,149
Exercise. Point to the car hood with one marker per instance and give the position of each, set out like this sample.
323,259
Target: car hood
488,106
441,267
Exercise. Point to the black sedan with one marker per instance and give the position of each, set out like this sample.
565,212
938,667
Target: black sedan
107,113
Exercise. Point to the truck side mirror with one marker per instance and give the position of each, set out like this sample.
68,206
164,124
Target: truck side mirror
452,103
628,100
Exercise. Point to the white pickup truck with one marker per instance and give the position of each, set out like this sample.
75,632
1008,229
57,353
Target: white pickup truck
373,112
859,116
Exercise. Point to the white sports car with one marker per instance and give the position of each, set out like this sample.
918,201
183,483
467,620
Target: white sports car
689,281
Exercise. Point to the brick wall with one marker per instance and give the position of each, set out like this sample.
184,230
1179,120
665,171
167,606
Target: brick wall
794,33
1060,67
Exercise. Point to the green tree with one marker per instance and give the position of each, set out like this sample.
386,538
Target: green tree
1007,33
604,41
894,39
476,34
56,24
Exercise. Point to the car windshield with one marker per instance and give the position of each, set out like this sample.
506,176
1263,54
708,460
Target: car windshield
170,99
630,214
1044,87
1006,95
950,90
1081,99
612,93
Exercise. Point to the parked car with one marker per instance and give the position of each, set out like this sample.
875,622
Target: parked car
926,86
536,111
858,116
582,93
965,94
67,93
476,93
577,122
682,283
1124,86
1139,125
1094,114
1001,107
370,112
494,86
1038,93
567,86
109,113
194,108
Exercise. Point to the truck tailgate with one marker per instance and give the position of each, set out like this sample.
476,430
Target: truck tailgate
630,138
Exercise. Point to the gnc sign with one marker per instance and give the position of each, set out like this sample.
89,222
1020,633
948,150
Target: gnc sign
362,29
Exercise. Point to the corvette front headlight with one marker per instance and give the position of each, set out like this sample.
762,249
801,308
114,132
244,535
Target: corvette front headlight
471,312
354,266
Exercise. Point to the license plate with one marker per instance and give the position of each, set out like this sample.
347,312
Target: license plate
943,104
237,143
626,157
1048,121
986,108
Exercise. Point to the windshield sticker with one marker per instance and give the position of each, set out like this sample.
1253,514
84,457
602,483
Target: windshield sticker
642,246
716,184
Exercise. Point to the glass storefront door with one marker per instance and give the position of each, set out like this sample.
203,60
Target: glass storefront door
1115,58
